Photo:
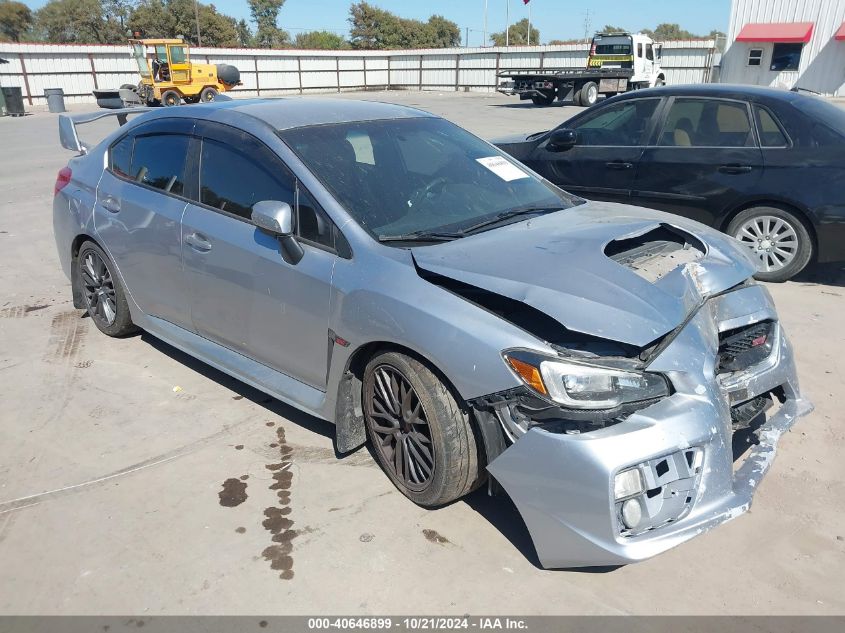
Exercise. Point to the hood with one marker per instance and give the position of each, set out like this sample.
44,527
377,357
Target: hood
561,265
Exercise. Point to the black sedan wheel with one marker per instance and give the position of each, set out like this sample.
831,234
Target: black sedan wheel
777,239
421,437
104,297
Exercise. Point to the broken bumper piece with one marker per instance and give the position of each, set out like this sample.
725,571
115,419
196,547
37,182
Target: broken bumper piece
567,487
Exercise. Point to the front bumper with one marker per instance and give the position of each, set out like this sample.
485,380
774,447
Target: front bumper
562,484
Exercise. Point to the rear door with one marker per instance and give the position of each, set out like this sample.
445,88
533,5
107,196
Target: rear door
602,164
140,200
705,159
243,293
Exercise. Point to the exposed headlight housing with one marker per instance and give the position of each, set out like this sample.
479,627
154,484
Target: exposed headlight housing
585,384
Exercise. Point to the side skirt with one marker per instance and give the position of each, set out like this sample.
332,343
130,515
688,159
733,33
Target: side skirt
273,383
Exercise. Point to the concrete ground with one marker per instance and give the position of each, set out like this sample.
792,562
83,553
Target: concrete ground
123,462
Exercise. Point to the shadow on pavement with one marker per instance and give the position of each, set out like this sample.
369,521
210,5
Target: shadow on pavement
822,275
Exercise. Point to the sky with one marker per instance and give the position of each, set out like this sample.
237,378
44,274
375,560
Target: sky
556,19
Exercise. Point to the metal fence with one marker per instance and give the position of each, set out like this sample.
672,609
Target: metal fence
80,69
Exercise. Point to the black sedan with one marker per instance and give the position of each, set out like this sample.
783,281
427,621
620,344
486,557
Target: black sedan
764,165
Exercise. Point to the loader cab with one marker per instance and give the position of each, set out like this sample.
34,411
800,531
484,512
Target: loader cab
162,61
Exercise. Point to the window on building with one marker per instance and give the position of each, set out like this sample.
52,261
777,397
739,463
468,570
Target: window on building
755,56
786,56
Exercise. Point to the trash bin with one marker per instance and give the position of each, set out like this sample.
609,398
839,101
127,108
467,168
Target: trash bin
55,99
14,100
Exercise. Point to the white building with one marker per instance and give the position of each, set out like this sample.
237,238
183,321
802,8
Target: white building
787,43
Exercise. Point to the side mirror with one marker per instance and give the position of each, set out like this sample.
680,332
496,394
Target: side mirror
273,216
276,218
562,140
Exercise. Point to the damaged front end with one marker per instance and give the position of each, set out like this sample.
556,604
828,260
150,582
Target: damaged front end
608,485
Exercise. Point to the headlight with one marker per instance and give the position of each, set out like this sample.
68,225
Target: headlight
580,385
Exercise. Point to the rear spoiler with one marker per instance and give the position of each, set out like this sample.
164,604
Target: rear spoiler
68,122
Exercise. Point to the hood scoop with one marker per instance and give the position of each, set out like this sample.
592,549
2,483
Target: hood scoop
654,254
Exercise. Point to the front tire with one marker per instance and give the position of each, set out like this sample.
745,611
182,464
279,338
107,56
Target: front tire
207,95
170,98
422,438
777,238
102,292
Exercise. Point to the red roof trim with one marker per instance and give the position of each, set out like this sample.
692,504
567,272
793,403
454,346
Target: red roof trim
840,34
798,32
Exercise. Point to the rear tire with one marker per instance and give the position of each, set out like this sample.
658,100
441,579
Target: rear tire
589,94
778,240
576,97
170,98
409,410
102,292
207,95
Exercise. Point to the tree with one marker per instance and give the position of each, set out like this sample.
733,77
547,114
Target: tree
245,36
518,35
374,28
177,18
320,40
265,14
667,31
78,21
15,20
613,29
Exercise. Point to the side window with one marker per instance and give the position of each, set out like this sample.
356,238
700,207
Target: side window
771,133
755,56
120,156
640,49
312,223
621,124
649,52
707,123
786,56
177,54
232,182
159,161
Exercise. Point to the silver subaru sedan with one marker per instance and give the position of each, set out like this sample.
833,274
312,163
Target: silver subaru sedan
614,369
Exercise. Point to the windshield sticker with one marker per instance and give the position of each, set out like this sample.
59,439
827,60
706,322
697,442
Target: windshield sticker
503,168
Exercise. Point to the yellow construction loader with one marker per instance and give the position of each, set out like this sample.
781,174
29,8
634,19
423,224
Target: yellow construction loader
169,77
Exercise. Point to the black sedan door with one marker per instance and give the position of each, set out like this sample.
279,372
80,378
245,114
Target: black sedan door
705,159
603,162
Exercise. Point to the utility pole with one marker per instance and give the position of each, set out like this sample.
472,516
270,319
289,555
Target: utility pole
197,15
508,24
529,23
587,25
466,41
484,43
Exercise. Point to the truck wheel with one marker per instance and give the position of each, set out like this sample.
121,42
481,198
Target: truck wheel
659,82
420,435
207,95
576,97
589,94
170,98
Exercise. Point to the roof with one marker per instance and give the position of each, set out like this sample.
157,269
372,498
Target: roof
283,114
797,32
840,34
728,91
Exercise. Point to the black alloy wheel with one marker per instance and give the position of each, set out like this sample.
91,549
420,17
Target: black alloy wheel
399,424
99,289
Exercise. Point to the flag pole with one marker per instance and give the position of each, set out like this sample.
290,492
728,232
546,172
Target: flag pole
529,24
485,23
508,24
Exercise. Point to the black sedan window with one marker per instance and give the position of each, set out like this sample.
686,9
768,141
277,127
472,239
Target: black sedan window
620,124
707,123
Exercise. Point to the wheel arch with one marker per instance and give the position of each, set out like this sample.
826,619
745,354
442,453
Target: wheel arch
795,209
350,432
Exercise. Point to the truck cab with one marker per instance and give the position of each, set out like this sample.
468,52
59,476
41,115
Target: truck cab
636,51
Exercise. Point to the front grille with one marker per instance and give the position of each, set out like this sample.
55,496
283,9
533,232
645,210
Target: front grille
746,346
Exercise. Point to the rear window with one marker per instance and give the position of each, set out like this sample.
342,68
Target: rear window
830,115
159,161
613,49
120,156
771,134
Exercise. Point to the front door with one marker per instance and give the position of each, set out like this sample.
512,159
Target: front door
140,201
244,295
705,160
602,164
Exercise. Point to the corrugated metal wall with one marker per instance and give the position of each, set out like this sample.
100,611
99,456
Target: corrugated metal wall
822,67
80,69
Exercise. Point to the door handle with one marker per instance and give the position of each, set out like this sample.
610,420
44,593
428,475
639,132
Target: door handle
735,169
112,205
198,242
618,164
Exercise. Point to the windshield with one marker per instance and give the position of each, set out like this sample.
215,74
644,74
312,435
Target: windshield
402,176
139,54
